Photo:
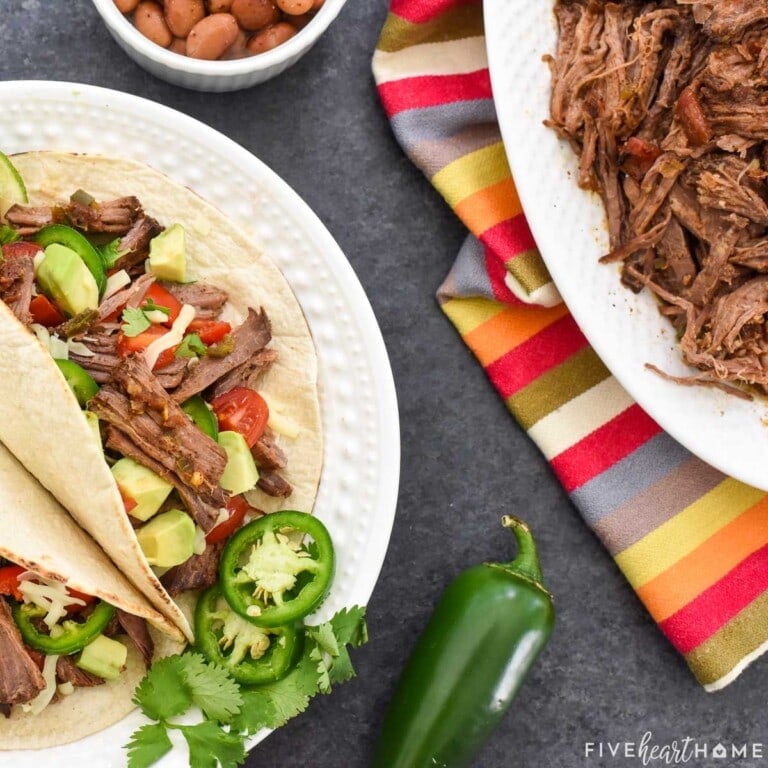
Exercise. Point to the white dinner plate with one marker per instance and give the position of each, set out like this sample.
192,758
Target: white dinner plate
358,488
569,226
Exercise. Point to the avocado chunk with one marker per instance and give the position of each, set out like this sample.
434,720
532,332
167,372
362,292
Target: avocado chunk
240,474
93,423
144,486
168,539
103,657
65,279
168,256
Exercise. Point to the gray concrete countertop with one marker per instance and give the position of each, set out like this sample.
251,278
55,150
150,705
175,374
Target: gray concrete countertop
608,675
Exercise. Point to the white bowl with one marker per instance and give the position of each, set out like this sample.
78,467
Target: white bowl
214,75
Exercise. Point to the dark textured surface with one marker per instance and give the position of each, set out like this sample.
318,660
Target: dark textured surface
608,674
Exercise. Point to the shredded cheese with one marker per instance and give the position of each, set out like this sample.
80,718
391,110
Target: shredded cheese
66,689
156,316
57,348
38,260
278,422
50,595
43,699
199,546
116,282
172,338
78,348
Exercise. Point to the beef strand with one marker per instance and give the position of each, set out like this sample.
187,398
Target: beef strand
20,678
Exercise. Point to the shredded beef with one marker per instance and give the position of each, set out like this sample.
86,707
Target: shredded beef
134,245
249,338
136,404
274,484
199,572
247,374
136,628
115,216
666,105
207,300
29,220
17,276
67,672
20,678
267,453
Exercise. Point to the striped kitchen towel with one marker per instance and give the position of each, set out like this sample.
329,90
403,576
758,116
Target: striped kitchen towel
692,542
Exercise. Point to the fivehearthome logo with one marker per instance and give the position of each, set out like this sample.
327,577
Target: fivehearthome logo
649,751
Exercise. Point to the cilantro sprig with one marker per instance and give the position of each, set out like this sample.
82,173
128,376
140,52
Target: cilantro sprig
191,346
230,713
134,321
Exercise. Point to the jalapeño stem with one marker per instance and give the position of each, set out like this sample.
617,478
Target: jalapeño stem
527,560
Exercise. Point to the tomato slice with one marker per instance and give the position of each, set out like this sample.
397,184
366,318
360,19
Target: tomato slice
20,248
242,410
9,580
44,311
163,298
237,507
209,331
75,608
127,345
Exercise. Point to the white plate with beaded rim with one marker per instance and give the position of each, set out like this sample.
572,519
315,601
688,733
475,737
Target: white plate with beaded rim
569,226
359,484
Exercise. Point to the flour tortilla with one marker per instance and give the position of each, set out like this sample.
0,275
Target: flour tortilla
35,532
40,419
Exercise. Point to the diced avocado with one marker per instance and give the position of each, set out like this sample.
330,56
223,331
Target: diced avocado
168,256
63,276
103,657
144,486
168,539
240,474
93,423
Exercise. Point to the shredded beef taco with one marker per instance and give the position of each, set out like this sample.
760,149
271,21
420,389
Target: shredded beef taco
157,374
59,594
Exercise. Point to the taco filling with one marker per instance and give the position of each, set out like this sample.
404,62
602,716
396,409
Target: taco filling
166,371
54,640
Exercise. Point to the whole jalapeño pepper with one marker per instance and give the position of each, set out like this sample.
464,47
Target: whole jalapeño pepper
488,628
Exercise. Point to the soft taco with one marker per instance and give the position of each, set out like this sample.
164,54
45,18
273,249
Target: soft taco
186,402
74,640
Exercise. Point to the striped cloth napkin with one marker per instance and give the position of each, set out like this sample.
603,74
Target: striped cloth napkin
692,542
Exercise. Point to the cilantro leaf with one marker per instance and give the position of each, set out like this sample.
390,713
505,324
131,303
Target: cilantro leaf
349,626
163,693
210,746
191,346
212,689
8,235
341,668
257,711
148,745
110,254
325,638
134,321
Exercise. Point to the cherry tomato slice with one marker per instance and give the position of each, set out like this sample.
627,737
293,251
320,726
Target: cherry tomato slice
126,345
209,331
20,248
237,506
9,580
163,298
44,311
242,410
75,608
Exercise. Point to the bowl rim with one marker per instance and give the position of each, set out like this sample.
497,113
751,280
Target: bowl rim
121,26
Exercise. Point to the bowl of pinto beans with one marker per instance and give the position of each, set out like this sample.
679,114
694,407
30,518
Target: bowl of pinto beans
217,45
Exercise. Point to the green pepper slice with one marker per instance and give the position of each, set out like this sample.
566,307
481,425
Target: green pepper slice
205,419
252,655
80,381
71,238
74,636
269,579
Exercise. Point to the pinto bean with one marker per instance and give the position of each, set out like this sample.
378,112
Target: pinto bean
179,46
219,6
317,5
126,6
271,37
295,7
237,50
211,36
182,15
255,14
150,22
